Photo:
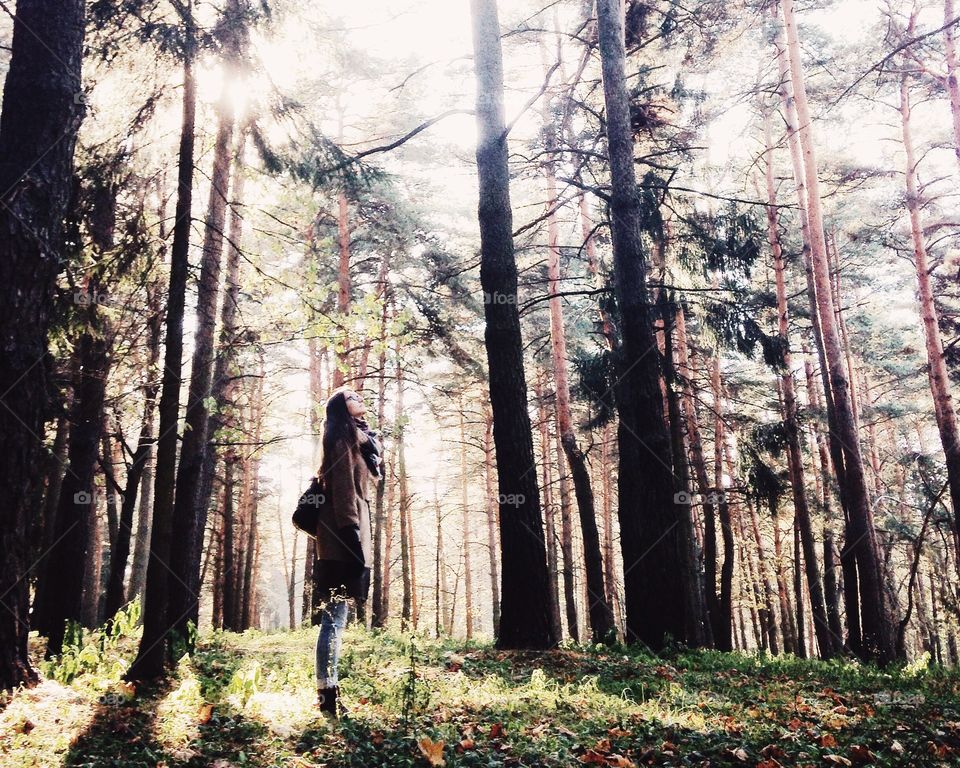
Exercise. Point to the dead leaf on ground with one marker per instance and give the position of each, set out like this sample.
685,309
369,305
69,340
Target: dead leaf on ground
837,760
432,750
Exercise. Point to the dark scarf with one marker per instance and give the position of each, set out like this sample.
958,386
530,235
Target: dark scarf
370,448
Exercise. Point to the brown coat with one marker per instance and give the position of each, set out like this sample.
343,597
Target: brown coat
347,482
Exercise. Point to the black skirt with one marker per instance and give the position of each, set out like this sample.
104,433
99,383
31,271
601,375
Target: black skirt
332,578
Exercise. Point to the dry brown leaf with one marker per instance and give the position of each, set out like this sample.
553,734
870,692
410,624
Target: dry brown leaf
619,761
496,731
205,713
860,754
603,745
837,760
739,754
432,750
828,740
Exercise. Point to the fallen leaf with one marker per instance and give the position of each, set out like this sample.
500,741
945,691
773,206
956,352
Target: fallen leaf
896,747
837,760
206,712
466,744
618,732
603,745
496,731
619,761
739,753
129,690
433,751
828,740
860,754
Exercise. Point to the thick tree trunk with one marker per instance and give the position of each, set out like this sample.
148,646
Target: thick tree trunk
525,620
649,520
877,621
72,554
937,372
38,130
152,655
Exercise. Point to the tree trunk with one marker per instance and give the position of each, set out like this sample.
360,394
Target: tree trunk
464,500
525,619
152,654
342,368
406,564
953,88
602,625
492,521
877,621
138,463
379,609
649,520
790,409
38,131
566,543
725,601
189,511
697,633
936,363
549,517
73,553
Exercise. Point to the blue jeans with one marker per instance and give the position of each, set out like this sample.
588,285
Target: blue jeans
333,619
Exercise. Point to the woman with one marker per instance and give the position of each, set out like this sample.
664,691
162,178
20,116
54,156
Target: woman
351,455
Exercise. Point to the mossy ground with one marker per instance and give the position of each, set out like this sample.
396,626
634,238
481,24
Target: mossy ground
247,700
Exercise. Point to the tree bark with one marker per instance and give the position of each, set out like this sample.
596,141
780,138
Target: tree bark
138,463
790,410
877,621
525,620
549,516
602,625
492,521
649,520
152,654
953,88
38,130
189,511
937,373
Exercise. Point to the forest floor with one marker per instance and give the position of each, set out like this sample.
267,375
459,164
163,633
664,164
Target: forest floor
247,700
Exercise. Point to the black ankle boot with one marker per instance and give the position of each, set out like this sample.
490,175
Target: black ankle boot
327,700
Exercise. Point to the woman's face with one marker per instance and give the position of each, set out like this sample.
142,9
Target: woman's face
355,404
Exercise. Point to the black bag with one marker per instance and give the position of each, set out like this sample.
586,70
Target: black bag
307,515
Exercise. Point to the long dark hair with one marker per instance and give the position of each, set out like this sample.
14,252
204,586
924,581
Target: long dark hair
338,425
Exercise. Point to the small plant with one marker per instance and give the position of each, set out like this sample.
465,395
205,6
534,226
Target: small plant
245,683
100,654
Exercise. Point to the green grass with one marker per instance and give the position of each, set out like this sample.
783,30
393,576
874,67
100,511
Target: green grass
247,700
